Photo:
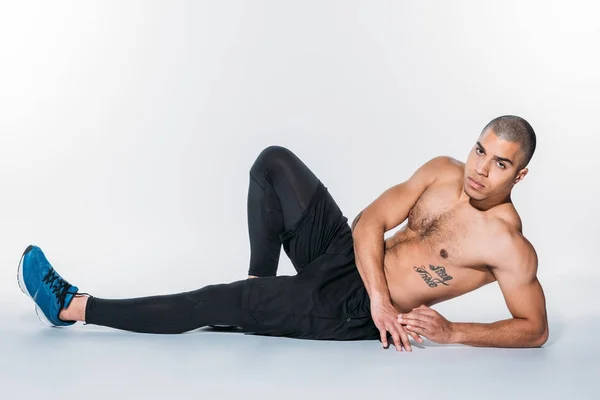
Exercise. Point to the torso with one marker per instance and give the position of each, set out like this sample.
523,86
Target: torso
440,253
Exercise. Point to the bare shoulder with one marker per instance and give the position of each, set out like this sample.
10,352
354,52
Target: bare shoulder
448,163
443,168
507,214
510,250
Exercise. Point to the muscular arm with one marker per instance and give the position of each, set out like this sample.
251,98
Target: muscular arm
386,212
524,296
369,249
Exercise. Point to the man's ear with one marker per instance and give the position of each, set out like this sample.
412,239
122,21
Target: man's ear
520,175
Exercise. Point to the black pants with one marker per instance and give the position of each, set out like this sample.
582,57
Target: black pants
289,207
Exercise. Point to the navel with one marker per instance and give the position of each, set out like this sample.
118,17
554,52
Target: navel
444,253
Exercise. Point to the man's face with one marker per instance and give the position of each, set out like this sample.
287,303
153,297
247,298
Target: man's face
491,169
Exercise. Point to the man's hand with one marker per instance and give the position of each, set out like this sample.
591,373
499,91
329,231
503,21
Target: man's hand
428,323
385,316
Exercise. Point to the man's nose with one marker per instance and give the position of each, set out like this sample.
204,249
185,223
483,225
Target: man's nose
482,168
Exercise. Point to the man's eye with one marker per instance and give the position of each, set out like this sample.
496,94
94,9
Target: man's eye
501,165
478,150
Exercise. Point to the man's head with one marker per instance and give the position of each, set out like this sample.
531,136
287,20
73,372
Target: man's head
499,158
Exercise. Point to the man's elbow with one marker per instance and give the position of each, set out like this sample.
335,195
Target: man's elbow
541,336
367,226
355,222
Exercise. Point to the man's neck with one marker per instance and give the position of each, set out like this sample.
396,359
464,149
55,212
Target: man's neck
487,204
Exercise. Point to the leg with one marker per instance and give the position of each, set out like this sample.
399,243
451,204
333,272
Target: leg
169,314
280,190
283,209
327,301
328,306
59,303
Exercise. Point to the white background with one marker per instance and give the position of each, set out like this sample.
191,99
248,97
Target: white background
127,128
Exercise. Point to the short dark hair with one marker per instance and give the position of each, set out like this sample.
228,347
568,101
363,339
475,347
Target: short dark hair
515,129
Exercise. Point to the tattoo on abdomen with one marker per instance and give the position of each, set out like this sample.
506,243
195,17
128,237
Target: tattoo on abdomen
429,279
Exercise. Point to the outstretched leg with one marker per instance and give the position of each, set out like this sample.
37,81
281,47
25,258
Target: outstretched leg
59,303
168,314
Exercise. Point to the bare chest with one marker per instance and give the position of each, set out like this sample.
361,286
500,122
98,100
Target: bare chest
443,227
439,254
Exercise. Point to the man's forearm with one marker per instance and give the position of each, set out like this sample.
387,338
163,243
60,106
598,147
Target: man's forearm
515,332
369,251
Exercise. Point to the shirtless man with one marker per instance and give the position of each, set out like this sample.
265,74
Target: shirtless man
462,232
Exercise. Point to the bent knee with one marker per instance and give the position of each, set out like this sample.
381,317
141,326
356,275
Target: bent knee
269,157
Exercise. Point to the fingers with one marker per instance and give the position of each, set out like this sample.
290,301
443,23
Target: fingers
410,321
383,336
415,336
399,337
425,326
415,318
417,330
395,338
405,340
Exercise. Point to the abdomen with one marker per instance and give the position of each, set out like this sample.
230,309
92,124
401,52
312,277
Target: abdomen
418,275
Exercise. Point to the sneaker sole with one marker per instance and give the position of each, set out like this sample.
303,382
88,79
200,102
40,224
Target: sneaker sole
21,282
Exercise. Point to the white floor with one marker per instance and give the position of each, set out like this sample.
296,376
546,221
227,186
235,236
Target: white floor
97,363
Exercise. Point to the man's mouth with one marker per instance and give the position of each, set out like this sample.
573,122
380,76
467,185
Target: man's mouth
475,183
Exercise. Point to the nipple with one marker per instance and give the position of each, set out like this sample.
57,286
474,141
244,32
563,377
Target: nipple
444,253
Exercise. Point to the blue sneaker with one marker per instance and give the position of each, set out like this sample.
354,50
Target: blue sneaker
50,292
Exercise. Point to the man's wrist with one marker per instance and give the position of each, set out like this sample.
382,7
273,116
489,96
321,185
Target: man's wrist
456,335
379,298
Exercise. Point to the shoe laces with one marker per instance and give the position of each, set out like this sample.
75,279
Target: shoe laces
58,285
